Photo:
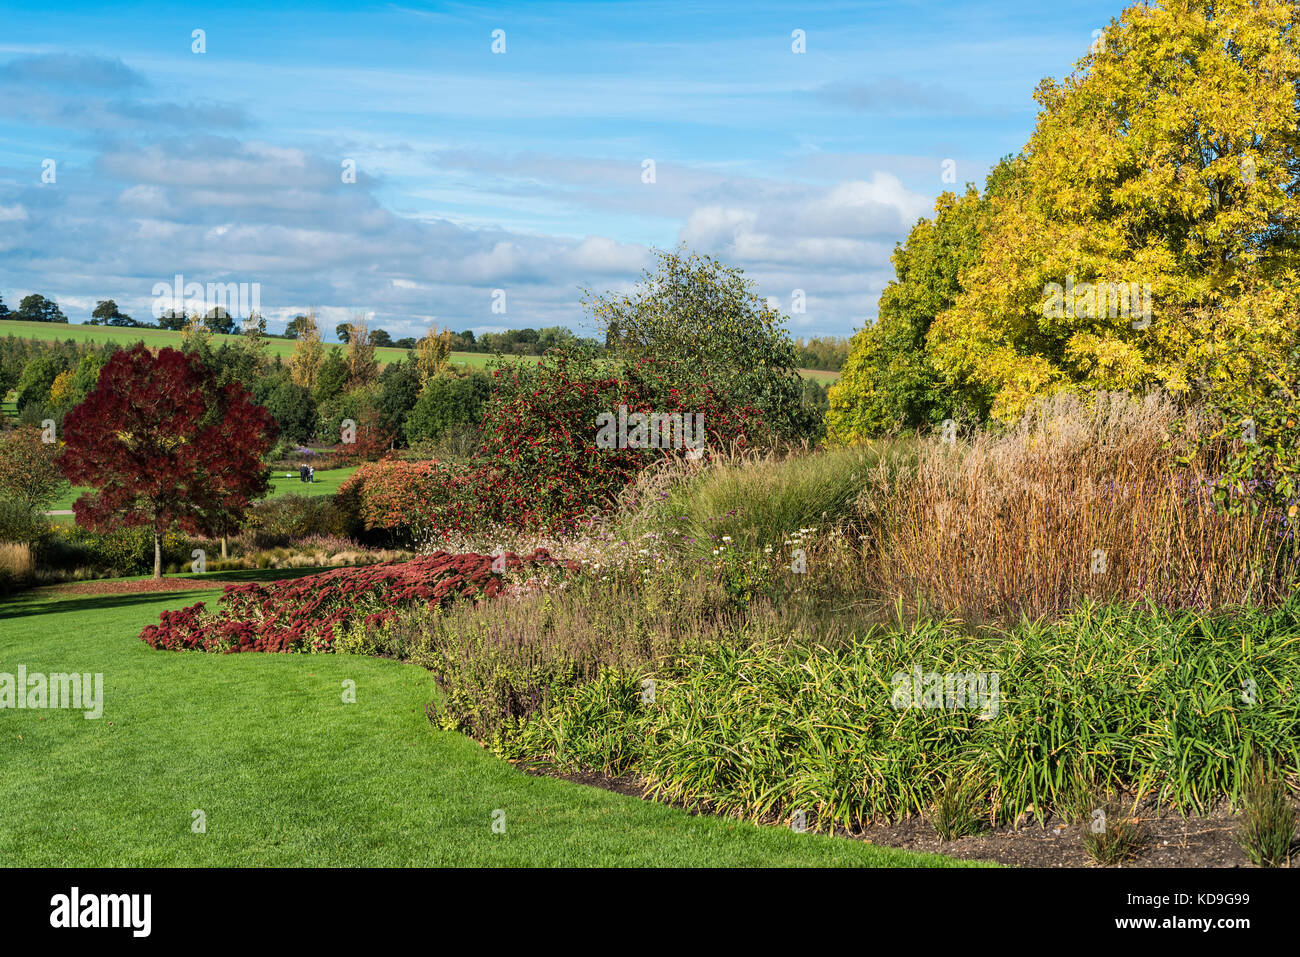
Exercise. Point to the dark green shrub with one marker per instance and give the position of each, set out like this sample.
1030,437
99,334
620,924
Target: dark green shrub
449,400
123,551
399,386
292,407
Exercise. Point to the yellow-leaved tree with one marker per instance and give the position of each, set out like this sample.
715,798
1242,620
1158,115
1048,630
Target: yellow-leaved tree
431,353
1151,232
308,352
1159,187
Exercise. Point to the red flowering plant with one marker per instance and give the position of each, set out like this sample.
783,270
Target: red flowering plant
310,613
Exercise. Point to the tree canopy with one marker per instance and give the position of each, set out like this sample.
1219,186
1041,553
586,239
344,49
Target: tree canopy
1145,237
163,444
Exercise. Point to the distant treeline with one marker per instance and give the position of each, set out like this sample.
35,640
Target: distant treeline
512,342
823,352
518,342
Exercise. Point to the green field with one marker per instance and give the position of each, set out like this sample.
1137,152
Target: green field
287,774
823,376
283,348
58,332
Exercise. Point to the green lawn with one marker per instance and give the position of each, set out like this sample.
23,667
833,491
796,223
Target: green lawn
288,774
327,483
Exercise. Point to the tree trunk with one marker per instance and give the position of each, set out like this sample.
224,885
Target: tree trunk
223,546
157,555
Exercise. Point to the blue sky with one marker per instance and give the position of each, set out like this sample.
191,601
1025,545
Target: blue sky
478,171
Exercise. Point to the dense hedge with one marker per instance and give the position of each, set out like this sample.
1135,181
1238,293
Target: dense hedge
126,551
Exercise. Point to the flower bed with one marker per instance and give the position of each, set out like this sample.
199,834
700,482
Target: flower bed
309,613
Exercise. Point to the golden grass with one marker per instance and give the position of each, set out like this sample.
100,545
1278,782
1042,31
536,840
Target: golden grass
1083,498
16,559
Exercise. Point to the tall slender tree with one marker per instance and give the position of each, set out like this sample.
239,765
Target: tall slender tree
308,353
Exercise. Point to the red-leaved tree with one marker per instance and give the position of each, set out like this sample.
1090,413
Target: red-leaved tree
165,445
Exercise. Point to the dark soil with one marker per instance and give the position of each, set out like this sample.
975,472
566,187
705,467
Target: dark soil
1168,838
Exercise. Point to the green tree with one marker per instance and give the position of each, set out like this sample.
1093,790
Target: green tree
399,386
219,321
292,408
448,400
332,378
1164,173
38,377
698,320
107,313
173,320
36,308
889,381
299,324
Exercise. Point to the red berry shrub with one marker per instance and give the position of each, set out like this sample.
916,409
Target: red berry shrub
310,613
540,433
539,462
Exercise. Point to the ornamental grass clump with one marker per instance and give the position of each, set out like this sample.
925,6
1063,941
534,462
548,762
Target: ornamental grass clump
765,720
1108,498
